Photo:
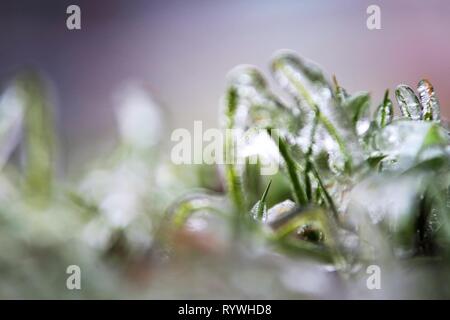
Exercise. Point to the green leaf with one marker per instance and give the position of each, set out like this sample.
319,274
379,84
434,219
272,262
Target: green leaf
384,114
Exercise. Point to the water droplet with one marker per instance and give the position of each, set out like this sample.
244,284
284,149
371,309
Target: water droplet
408,102
255,211
429,101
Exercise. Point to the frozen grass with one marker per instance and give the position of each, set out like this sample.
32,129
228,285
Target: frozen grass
355,189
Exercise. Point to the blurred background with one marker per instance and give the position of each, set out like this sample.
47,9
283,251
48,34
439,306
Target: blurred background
183,50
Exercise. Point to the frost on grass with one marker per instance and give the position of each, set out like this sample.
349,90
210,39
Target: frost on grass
364,189
356,187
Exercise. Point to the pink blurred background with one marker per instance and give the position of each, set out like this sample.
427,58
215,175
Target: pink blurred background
184,49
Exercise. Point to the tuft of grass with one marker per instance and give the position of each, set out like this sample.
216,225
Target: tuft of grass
362,199
354,188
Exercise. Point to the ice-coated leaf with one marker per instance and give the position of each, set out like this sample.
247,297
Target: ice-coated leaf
408,102
306,82
252,107
381,205
258,107
259,210
277,210
428,99
402,141
384,114
357,105
340,92
434,144
289,67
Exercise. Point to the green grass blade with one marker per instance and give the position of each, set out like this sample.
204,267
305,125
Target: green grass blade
38,138
298,192
234,181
